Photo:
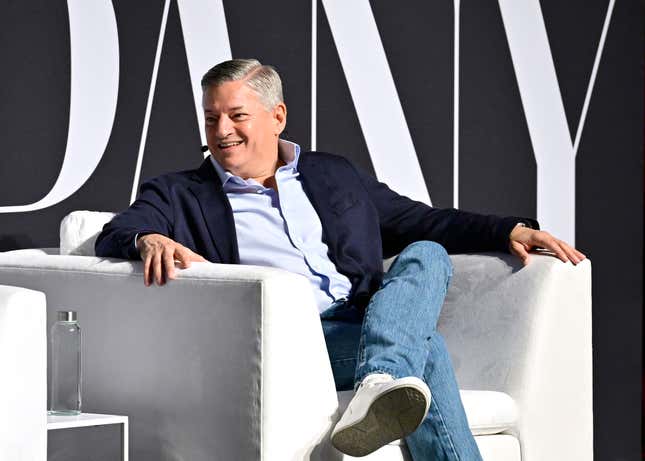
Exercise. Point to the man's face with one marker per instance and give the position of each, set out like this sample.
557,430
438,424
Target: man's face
241,133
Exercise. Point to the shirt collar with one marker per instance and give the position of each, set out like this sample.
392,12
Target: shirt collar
288,152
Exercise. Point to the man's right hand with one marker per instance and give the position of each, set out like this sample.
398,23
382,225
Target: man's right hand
159,254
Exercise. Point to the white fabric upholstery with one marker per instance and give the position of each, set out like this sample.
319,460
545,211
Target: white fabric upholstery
501,447
488,412
391,452
23,382
79,229
260,386
256,388
527,332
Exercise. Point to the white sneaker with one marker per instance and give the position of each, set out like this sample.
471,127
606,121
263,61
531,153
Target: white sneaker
383,409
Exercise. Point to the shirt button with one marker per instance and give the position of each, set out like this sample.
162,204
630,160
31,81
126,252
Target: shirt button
259,191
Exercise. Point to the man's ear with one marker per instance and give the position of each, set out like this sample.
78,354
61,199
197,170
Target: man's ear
280,118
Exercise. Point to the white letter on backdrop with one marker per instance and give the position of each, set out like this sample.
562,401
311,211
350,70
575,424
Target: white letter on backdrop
375,98
206,39
94,89
555,153
206,42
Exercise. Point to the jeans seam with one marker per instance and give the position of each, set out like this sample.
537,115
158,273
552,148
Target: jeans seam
445,430
361,342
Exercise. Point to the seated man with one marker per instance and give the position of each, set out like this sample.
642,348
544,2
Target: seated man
259,200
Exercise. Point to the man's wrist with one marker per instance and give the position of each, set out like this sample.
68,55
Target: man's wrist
137,237
520,224
516,229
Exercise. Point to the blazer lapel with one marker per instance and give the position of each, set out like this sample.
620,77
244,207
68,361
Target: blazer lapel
216,211
320,192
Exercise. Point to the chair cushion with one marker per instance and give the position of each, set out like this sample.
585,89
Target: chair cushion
488,412
500,447
79,229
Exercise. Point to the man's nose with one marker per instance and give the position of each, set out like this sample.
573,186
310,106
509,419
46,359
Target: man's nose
224,127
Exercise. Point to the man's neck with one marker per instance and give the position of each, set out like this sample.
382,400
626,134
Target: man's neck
268,180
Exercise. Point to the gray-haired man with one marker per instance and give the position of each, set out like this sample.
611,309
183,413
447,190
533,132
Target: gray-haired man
258,200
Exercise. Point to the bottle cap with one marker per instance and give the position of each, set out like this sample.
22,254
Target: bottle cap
66,316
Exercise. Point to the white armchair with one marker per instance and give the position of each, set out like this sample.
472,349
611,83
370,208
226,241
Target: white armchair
229,362
23,378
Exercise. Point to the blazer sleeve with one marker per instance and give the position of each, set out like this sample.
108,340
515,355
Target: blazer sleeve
404,221
151,213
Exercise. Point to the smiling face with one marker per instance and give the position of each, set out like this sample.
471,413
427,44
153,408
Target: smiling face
242,134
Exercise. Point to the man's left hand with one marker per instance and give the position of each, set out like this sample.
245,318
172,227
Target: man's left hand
524,239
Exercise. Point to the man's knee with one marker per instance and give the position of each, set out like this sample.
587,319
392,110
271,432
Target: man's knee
430,255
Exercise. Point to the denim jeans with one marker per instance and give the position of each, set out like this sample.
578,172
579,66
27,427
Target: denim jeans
397,334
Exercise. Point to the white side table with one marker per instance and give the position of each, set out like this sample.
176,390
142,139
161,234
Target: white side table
91,419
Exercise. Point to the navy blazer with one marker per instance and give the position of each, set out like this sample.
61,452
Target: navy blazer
363,220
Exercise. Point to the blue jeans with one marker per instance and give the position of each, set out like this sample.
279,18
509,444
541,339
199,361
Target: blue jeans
397,334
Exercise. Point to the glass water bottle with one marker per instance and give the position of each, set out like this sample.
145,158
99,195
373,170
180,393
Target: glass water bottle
65,365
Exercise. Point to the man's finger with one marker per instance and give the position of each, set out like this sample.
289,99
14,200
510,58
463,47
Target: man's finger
168,263
554,246
156,267
184,257
574,255
545,240
580,255
571,255
147,276
519,250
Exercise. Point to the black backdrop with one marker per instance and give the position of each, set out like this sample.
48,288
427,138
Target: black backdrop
497,169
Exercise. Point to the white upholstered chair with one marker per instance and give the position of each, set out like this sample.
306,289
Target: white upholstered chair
23,375
229,362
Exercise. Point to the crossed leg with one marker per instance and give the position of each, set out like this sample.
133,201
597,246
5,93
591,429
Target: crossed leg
397,334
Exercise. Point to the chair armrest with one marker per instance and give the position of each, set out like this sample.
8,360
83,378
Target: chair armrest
23,386
226,359
526,331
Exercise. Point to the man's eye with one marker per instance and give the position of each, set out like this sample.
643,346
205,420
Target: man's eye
239,116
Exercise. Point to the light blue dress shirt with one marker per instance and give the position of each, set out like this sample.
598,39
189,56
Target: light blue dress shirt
283,229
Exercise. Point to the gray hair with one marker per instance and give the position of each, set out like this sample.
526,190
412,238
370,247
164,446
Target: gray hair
262,79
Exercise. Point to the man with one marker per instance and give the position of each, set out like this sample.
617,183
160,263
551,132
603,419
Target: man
259,200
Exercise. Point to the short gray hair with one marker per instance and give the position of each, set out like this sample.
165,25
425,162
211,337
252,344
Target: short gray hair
262,79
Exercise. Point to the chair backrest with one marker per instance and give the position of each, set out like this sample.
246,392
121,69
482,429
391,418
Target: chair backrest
79,229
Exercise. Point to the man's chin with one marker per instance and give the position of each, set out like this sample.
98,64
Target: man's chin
231,163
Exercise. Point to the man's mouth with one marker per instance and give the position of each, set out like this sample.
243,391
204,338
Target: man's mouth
224,145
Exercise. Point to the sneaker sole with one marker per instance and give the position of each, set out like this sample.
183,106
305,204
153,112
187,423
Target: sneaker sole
392,416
